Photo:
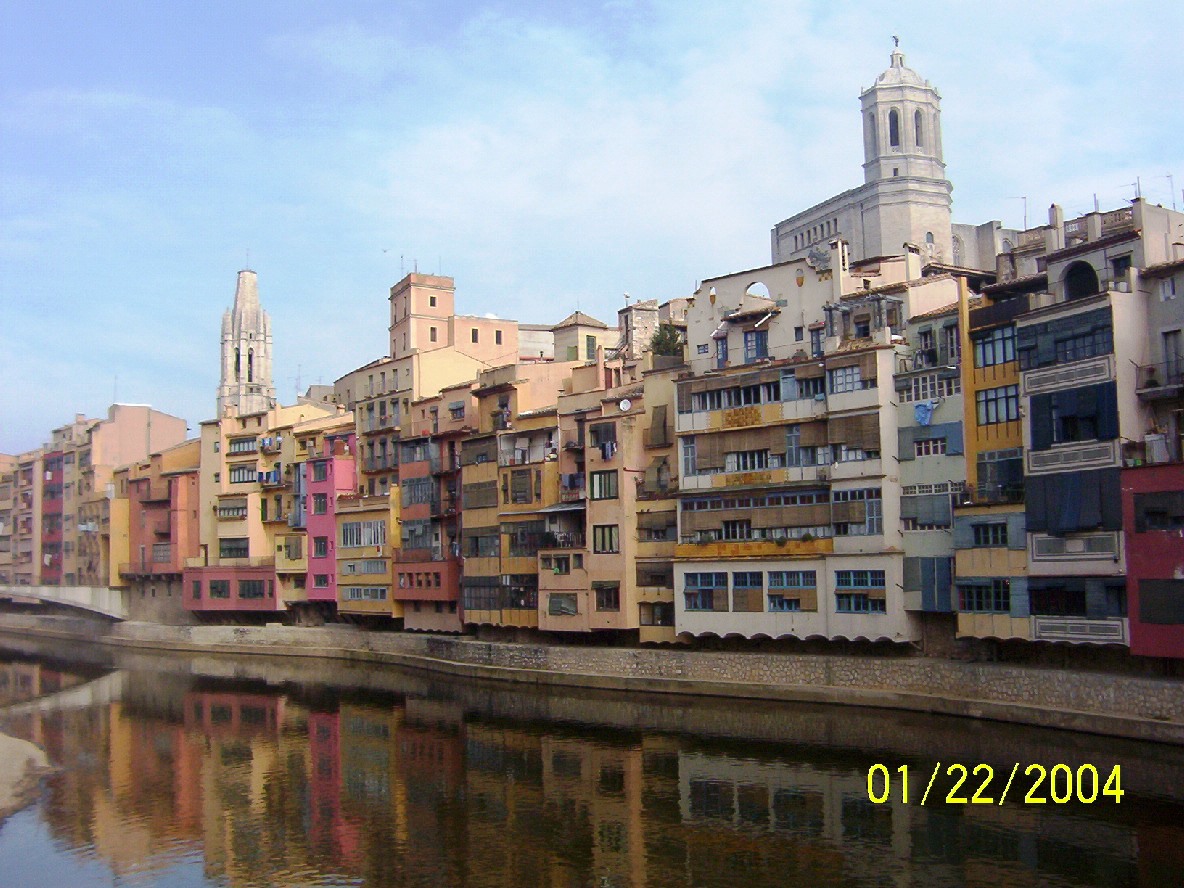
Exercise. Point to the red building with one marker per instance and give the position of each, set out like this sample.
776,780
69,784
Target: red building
1153,515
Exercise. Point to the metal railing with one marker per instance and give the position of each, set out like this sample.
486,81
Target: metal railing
1161,375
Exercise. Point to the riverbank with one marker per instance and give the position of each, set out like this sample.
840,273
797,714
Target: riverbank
1097,703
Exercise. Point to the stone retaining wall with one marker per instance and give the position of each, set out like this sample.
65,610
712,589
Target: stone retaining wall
1117,705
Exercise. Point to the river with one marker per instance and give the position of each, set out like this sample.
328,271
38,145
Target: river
171,770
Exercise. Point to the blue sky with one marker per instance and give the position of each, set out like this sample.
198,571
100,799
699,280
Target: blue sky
547,156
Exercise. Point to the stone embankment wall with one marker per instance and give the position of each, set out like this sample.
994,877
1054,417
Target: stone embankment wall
1115,705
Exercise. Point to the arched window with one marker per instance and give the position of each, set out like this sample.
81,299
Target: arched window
917,128
1080,280
929,237
894,128
871,128
250,365
237,364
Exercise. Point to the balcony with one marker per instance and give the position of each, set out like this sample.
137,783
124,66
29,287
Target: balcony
154,491
563,539
230,513
444,465
988,494
1081,630
272,478
1160,382
271,444
297,518
381,463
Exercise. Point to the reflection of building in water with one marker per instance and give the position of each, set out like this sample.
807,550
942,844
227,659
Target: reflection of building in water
820,826
431,773
604,787
21,681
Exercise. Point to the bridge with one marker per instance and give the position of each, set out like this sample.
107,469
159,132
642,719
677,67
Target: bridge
103,690
109,603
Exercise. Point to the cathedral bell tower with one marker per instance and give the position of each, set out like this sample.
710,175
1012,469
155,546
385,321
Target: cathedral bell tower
901,125
246,352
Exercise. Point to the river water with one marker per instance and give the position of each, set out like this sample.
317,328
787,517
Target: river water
197,771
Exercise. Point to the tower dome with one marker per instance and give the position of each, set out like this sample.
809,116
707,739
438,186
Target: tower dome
901,125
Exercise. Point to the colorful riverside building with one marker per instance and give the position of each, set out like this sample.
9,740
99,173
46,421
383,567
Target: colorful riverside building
790,492
605,563
324,471
157,499
427,568
248,482
1153,473
509,473
1063,338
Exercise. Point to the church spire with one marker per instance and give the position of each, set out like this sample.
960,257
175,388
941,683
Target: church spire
246,382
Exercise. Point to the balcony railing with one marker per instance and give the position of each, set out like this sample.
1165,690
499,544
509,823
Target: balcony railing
271,444
1163,380
563,539
273,478
380,463
989,494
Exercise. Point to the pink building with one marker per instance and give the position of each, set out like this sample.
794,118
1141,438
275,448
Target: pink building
328,474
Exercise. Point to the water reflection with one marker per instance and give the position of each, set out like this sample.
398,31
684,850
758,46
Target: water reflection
170,777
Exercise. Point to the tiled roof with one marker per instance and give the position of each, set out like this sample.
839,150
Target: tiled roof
1017,283
936,313
1163,268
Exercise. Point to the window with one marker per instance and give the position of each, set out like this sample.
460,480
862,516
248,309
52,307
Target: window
721,352
363,593
431,334
930,385
748,588
320,503
998,405
320,547
497,337
917,129
608,596
782,604
432,301
321,581
856,603
243,474
1085,345
990,596
219,588
363,533
563,604
994,347
894,128
603,485
241,445
320,471
474,334
233,548
746,461
703,591
250,589
604,538
816,335
847,379
737,530
756,345
196,589
859,579
589,348
799,333
929,447
863,328
689,462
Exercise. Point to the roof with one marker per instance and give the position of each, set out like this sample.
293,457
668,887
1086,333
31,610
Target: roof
1090,246
936,313
1018,283
579,319
1163,268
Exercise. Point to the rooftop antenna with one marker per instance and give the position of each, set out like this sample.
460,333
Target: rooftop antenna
1024,198
1171,187
1137,185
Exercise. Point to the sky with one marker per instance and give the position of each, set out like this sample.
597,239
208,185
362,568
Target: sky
547,156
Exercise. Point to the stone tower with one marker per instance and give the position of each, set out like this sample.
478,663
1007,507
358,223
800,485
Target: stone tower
903,160
246,352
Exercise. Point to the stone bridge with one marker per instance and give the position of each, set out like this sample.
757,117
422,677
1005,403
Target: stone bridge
109,603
